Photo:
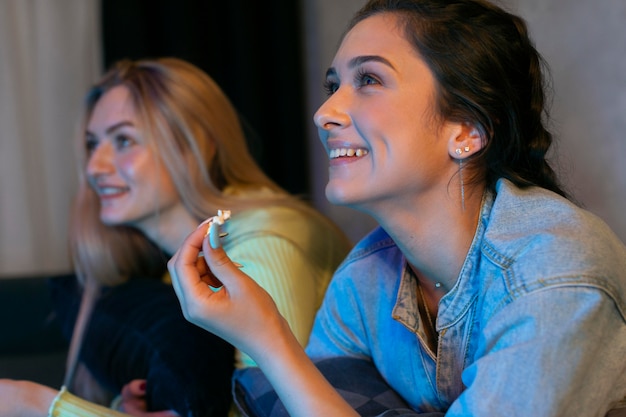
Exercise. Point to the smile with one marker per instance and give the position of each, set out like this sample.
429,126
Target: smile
348,152
108,191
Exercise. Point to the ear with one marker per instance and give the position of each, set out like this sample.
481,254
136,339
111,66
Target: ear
465,141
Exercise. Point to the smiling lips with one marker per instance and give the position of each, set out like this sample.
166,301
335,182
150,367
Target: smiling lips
109,191
348,152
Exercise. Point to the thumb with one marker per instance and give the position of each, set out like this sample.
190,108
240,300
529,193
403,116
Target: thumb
216,258
135,388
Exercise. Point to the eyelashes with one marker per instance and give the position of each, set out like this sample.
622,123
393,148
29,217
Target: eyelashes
365,78
362,78
330,87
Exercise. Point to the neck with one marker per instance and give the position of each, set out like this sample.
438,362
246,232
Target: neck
435,238
169,230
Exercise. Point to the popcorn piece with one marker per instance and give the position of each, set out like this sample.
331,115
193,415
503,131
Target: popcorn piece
222,216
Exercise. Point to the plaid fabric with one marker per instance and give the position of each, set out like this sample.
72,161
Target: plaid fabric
357,380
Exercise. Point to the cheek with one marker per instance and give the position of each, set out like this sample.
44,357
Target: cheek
135,166
378,123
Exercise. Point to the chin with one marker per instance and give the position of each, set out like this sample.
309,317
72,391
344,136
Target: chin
338,196
111,220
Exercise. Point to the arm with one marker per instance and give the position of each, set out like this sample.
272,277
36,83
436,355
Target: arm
245,315
25,398
66,404
30,399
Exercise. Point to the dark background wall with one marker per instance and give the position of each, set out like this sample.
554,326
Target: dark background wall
251,48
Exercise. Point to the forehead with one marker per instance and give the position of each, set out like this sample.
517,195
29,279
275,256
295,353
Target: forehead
116,103
381,34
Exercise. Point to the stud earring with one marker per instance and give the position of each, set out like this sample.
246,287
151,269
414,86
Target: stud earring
466,149
458,151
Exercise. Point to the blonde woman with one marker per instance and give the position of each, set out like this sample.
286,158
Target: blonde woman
161,150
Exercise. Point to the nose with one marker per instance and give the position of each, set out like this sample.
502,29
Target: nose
100,160
332,114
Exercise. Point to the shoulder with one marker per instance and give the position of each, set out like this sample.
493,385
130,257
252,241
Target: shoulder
375,261
368,278
375,244
278,220
308,231
542,238
534,220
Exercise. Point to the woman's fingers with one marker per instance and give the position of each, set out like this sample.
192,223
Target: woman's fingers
184,265
205,285
222,267
197,260
239,311
134,401
136,388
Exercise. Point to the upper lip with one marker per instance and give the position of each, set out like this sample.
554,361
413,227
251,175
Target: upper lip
339,144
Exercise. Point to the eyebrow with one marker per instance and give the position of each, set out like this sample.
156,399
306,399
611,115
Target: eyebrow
114,127
359,60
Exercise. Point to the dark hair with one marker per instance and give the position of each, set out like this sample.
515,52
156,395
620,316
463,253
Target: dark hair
489,74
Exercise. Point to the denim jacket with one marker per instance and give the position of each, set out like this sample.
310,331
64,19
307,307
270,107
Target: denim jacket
535,325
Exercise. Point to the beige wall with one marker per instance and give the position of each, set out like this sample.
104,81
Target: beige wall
49,54
584,43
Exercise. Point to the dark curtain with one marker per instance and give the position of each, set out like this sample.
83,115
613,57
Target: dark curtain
251,48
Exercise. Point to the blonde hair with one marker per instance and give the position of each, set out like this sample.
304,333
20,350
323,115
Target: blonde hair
197,135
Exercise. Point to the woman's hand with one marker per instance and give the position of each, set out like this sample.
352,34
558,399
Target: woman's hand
240,311
133,401
25,398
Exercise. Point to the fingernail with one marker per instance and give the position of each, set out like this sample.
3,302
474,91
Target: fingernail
214,237
205,222
238,265
223,234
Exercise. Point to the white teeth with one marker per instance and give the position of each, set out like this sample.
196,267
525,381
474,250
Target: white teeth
110,190
336,153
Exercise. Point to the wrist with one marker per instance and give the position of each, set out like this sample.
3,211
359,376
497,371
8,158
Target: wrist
55,401
282,347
